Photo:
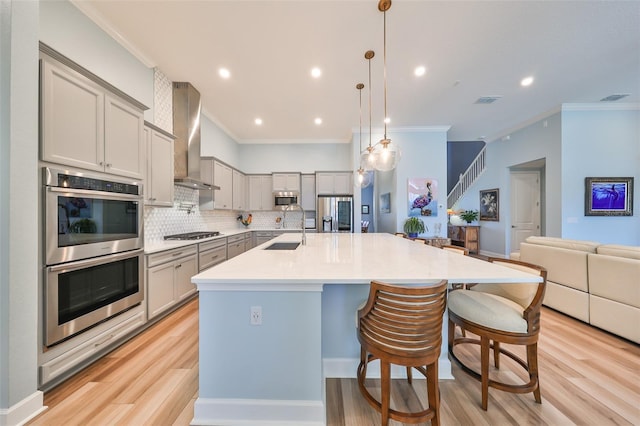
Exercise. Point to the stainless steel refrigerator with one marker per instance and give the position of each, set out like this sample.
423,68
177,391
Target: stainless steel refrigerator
334,214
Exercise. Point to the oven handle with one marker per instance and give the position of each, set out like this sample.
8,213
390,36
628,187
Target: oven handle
95,261
94,194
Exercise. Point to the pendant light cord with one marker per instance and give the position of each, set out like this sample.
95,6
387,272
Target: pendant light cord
384,61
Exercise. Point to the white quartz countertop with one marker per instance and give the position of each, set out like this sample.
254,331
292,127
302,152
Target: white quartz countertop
158,246
342,258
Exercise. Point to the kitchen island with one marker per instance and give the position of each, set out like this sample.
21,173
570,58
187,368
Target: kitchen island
305,301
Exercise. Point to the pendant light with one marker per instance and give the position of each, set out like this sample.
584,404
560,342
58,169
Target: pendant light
387,153
368,156
363,177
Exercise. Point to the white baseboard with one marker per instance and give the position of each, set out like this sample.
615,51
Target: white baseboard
492,254
257,412
347,368
23,411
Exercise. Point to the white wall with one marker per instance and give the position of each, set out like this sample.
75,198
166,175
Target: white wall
579,141
65,29
305,158
605,143
216,143
424,155
19,189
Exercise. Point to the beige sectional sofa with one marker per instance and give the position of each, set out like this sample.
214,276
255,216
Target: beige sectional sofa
595,283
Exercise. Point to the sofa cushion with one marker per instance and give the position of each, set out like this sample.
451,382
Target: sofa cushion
588,246
615,317
631,252
564,266
567,300
616,278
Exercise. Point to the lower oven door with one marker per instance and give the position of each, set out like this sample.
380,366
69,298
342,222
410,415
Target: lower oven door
79,295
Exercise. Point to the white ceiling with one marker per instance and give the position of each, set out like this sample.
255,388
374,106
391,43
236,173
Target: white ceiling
577,51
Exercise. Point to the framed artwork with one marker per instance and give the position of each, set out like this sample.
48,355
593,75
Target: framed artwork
365,209
608,196
423,197
385,203
489,204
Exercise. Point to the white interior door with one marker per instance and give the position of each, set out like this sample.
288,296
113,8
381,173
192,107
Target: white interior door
525,206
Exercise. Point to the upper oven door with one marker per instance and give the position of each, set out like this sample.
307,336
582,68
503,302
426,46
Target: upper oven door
80,223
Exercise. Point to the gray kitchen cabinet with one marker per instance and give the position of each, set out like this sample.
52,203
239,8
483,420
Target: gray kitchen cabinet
308,192
248,241
286,182
158,188
88,125
169,278
260,192
235,245
211,253
223,177
239,190
261,237
334,183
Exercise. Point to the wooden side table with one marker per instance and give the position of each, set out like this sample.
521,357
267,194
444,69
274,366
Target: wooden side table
465,236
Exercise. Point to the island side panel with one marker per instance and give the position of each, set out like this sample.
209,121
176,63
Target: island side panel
276,364
340,346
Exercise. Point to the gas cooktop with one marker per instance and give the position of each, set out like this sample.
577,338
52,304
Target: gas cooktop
192,235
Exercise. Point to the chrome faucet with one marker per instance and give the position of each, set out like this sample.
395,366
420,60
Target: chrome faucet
304,216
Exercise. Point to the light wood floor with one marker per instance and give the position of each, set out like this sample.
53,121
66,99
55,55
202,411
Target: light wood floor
588,377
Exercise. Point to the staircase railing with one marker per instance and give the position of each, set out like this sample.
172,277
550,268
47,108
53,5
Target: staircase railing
467,178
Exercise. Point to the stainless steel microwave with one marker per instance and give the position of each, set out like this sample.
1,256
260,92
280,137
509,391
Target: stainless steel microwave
282,200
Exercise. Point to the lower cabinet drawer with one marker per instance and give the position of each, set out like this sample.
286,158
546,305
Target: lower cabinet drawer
85,351
212,257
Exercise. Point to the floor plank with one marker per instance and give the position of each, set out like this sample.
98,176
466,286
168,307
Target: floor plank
588,377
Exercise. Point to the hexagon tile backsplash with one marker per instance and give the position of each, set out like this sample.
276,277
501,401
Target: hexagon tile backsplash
185,216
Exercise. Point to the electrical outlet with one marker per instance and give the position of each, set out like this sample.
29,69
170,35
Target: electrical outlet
256,315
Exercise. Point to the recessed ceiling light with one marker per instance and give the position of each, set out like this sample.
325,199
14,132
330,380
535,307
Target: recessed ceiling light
316,72
318,121
258,121
224,73
526,81
420,71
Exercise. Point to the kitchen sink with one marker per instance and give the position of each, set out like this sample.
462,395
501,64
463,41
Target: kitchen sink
282,246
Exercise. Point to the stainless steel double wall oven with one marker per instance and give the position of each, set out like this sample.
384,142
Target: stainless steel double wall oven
93,245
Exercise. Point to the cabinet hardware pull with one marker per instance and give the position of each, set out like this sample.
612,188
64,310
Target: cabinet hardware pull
179,266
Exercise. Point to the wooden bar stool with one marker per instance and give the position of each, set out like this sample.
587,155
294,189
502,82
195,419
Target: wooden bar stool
500,313
403,326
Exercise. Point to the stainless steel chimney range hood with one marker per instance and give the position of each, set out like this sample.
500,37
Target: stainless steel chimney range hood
186,128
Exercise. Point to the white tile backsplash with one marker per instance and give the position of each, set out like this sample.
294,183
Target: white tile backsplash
161,221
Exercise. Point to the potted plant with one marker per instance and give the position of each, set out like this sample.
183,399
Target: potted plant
469,215
414,226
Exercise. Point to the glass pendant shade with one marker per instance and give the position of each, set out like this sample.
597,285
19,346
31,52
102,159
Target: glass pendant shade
362,178
387,155
368,159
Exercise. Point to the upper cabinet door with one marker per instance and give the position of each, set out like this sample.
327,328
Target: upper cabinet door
124,151
223,177
334,183
72,114
289,182
86,125
159,185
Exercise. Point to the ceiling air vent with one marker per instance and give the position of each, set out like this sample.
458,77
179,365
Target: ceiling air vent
487,99
613,98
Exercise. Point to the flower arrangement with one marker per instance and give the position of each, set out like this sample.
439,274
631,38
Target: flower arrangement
245,221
